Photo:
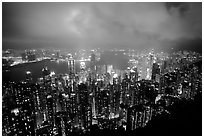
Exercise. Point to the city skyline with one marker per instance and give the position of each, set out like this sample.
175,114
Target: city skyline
58,94
102,69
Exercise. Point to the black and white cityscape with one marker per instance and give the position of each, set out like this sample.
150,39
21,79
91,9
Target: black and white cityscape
101,69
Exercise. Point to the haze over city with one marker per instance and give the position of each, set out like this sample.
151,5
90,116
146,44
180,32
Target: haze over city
105,25
102,69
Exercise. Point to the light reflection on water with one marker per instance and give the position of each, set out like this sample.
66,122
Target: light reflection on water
17,73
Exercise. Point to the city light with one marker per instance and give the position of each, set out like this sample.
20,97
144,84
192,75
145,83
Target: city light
101,69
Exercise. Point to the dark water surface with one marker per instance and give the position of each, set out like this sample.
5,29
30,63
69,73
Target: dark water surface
17,73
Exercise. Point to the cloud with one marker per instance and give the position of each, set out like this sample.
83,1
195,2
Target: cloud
132,25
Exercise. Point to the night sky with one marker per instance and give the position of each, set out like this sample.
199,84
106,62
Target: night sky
105,25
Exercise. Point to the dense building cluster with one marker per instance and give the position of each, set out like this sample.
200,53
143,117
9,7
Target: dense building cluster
113,99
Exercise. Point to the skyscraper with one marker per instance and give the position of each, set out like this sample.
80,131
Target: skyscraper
155,71
71,71
85,106
71,65
93,66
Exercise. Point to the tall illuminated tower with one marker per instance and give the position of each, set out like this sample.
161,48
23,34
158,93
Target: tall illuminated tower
93,66
71,66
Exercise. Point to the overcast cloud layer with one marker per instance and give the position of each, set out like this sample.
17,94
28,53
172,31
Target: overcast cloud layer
92,25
